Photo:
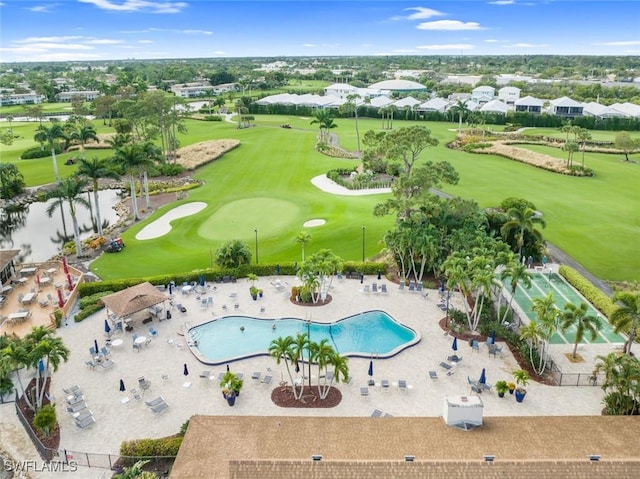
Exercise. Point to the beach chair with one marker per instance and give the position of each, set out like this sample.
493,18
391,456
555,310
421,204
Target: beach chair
475,388
108,364
402,384
135,393
366,288
155,402
255,375
160,407
205,374
364,391
152,331
91,364
433,375
376,413
73,390
419,287
105,352
144,384
412,285
386,414
383,288
209,301
88,421
82,415
475,346
266,379
445,366
495,350
93,351
401,286
374,287
384,383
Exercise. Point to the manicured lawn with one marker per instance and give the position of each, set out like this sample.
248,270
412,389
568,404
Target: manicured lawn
265,185
596,135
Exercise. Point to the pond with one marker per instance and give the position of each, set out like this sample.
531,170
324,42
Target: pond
39,237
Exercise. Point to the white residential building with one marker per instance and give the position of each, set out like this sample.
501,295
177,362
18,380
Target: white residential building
31,98
483,94
509,95
529,104
495,106
565,107
192,90
435,104
86,95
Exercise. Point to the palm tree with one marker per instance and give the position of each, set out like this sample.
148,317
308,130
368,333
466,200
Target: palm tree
570,147
70,190
299,345
323,352
566,128
621,383
17,357
461,109
281,349
152,154
583,135
521,221
233,254
532,334
303,238
130,157
84,134
50,135
94,169
44,346
626,317
584,323
119,140
516,272
353,106
324,120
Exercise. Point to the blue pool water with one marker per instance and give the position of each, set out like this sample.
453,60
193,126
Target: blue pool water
373,333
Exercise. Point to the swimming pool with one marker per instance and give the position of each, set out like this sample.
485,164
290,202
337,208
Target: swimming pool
372,333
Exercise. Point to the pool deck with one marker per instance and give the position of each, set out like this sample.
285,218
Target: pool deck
161,362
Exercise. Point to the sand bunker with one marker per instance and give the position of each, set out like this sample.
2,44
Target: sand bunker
162,225
312,223
329,186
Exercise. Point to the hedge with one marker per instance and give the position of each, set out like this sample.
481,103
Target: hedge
594,295
216,273
37,152
130,451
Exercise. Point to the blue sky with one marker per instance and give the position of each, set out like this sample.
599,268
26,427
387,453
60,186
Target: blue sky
61,30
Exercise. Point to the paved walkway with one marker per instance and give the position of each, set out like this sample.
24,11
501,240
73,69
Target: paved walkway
117,421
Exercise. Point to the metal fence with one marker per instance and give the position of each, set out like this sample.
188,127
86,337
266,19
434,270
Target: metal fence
46,453
573,379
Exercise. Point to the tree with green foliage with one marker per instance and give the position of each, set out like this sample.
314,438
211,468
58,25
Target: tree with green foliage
577,317
318,272
626,318
233,254
323,117
69,190
84,134
570,147
129,158
303,239
461,108
282,349
517,273
50,135
520,222
95,169
583,136
621,385
11,181
45,419
625,143
351,106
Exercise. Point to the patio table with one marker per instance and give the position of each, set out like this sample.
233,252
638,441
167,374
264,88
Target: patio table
28,298
28,271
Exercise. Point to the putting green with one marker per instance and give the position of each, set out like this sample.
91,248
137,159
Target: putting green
270,216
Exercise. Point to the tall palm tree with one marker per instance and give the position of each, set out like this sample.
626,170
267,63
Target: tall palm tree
119,140
352,104
626,317
152,154
300,344
303,239
84,134
521,221
281,349
566,128
621,383
94,169
584,135
16,356
570,147
323,352
324,119
130,157
461,108
576,316
516,272
50,135
70,190
532,333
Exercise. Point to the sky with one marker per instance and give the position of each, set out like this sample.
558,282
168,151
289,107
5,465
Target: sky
81,30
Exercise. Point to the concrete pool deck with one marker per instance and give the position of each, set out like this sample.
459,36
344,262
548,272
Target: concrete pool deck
161,362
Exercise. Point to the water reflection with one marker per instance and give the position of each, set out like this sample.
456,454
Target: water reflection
39,237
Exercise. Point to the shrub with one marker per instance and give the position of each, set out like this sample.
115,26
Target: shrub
212,118
171,169
163,447
475,146
45,419
594,295
37,152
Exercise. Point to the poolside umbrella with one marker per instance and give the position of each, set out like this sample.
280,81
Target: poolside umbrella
38,280
483,377
64,265
95,345
297,367
170,288
185,371
370,373
70,281
278,270
107,328
379,275
41,365
493,336
454,345
122,388
227,368
60,299
202,280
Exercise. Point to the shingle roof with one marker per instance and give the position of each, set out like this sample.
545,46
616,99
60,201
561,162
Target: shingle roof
398,85
537,447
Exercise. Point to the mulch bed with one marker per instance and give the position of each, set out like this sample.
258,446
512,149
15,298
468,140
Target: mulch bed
319,303
283,397
53,440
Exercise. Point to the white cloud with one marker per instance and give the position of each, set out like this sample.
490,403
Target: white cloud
41,8
449,25
503,2
404,50
450,46
145,41
102,41
60,46
491,40
138,6
620,44
65,38
197,32
309,45
527,45
421,13
219,52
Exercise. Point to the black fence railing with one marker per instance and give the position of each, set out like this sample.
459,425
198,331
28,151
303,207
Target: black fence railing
573,379
46,453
